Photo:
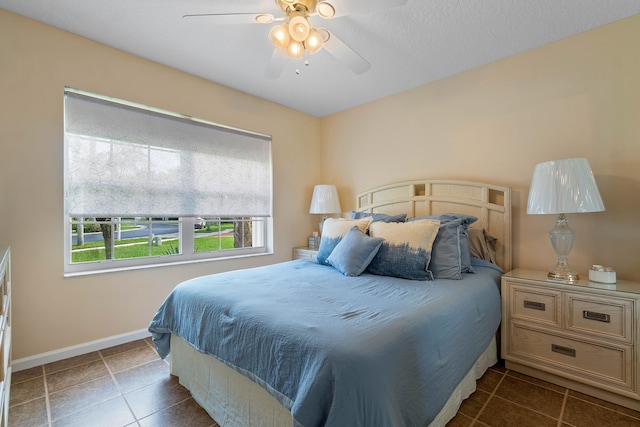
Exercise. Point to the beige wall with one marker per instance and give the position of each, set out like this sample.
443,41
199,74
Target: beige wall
579,97
36,62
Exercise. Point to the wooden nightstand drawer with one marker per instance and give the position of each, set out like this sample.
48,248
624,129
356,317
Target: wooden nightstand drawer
610,317
606,364
580,335
534,304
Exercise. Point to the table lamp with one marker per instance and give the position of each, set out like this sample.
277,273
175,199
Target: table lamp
325,201
562,187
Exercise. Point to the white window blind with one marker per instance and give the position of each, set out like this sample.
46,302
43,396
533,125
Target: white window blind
123,159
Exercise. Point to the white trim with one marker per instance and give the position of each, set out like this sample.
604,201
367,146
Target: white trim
143,107
77,350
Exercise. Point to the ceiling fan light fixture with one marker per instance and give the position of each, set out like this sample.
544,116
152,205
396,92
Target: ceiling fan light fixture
279,36
325,10
264,18
295,49
314,42
299,28
324,34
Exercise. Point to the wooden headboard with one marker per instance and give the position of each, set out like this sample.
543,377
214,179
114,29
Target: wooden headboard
490,203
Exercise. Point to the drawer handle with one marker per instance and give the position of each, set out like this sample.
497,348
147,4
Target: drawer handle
600,317
563,350
534,305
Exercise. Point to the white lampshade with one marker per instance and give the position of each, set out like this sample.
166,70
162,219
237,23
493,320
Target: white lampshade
561,187
564,186
325,200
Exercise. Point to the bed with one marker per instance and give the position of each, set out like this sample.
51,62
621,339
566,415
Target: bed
327,346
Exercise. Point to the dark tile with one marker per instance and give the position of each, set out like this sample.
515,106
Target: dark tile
536,381
157,396
503,413
76,375
131,358
111,351
185,413
584,414
76,398
474,403
111,413
460,420
26,390
142,375
489,381
29,414
71,362
82,392
499,367
600,402
26,374
531,395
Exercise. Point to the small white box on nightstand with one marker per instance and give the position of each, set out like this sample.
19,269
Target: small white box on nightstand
598,273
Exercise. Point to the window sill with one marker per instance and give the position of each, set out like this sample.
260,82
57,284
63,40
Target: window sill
165,264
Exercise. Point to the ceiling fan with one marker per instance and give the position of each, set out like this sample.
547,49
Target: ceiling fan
295,37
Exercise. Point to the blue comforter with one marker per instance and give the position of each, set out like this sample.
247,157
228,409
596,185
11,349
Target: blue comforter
368,351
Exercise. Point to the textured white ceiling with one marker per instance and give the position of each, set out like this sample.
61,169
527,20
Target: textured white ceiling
407,46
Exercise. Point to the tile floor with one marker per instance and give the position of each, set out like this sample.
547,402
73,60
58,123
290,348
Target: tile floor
128,385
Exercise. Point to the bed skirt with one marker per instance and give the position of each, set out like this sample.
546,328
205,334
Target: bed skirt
233,400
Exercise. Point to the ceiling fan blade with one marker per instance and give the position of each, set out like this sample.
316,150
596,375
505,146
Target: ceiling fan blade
344,53
275,65
352,7
234,18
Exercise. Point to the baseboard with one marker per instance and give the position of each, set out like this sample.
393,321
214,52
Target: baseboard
77,350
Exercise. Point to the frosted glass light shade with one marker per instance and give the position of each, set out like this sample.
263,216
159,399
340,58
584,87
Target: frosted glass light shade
299,28
295,49
279,36
314,42
325,200
564,186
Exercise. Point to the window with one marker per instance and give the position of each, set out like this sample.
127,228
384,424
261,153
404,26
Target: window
145,186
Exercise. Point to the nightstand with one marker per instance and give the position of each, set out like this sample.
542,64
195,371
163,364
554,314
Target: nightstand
583,336
305,252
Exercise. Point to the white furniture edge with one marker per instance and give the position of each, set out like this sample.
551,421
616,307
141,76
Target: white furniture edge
490,203
552,373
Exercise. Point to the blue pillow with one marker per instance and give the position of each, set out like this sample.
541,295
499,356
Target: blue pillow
451,255
354,252
333,229
379,216
406,249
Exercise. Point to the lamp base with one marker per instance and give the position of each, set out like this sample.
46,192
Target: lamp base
563,276
562,238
